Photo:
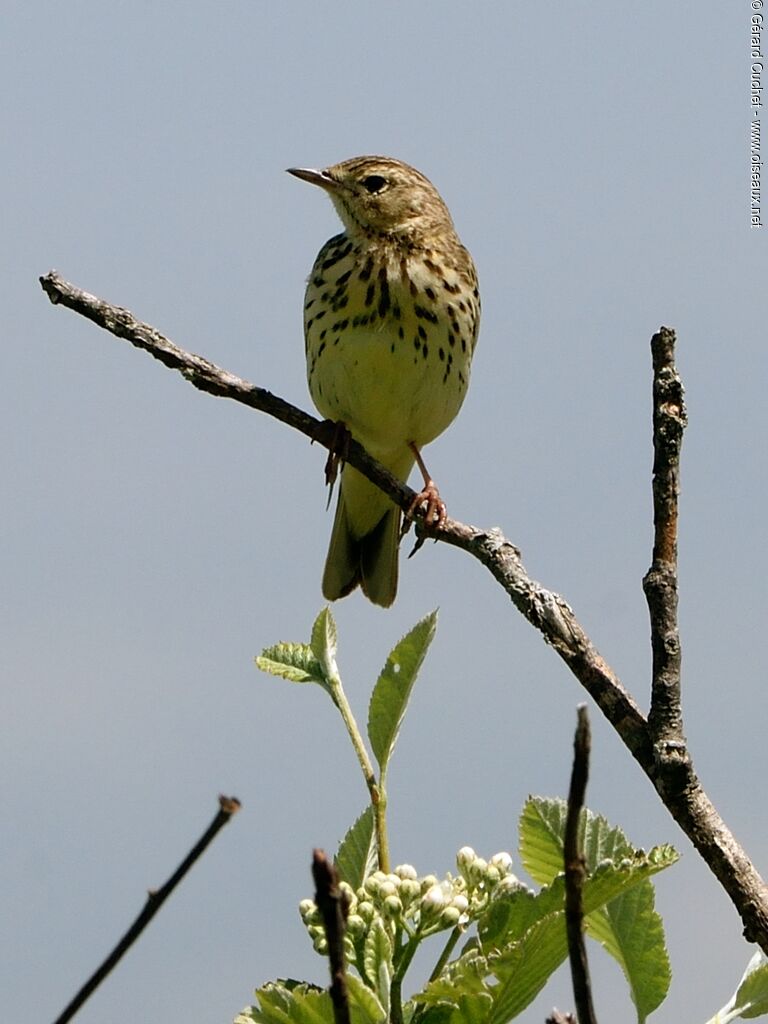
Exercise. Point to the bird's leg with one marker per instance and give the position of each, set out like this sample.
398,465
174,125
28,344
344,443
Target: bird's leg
428,498
336,437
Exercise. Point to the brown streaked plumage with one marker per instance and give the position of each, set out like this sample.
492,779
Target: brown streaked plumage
391,315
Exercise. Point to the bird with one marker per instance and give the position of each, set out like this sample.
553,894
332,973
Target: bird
391,318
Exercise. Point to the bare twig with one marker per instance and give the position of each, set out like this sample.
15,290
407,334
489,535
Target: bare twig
544,609
333,907
575,872
228,805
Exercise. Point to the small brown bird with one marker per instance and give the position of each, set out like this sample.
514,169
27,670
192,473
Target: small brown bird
391,315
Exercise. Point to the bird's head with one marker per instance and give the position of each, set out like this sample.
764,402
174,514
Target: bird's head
381,196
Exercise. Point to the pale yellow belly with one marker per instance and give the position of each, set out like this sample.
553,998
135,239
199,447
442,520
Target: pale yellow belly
398,380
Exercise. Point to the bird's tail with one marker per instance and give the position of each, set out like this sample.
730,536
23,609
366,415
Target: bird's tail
364,542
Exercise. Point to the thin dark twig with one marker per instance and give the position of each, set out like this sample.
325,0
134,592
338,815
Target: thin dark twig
547,611
575,872
155,899
665,718
333,907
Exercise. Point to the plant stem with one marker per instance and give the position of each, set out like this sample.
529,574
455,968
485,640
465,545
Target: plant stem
377,792
453,938
395,989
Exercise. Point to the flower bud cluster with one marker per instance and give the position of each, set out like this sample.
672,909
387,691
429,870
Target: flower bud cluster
418,906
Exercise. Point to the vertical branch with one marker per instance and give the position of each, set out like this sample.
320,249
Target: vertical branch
575,871
665,718
333,907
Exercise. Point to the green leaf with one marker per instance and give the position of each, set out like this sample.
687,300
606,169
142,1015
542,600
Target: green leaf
523,934
301,1003
468,1008
281,1003
524,968
628,927
542,832
295,662
377,961
632,932
323,643
752,993
466,974
751,997
357,857
393,689
365,1008
440,1013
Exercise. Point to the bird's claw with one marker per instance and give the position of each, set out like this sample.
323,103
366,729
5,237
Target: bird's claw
430,506
334,435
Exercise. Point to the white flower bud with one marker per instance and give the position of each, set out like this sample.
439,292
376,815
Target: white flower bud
433,899
450,917
349,894
427,882
410,889
355,925
502,861
387,889
392,907
460,902
372,883
465,858
307,909
492,875
366,910
509,884
406,871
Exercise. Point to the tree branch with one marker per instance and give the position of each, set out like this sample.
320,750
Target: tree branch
665,718
228,806
575,872
331,904
677,784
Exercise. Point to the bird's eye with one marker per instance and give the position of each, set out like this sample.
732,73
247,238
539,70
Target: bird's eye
373,183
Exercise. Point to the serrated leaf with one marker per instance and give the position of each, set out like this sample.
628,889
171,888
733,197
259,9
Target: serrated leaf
628,927
441,1013
295,662
542,831
393,689
302,1003
363,1004
468,1008
323,642
356,858
632,932
278,1003
523,934
523,969
377,961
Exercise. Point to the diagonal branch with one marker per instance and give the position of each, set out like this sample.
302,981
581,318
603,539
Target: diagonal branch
545,610
228,806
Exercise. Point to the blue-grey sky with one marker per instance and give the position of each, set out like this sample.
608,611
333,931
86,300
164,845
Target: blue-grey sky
595,159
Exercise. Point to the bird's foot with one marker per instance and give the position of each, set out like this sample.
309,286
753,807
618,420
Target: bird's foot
430,505
428,501
334,435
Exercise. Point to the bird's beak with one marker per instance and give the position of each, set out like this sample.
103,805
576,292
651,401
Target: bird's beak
321,178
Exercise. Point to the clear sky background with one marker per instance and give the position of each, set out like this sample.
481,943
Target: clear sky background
595,158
